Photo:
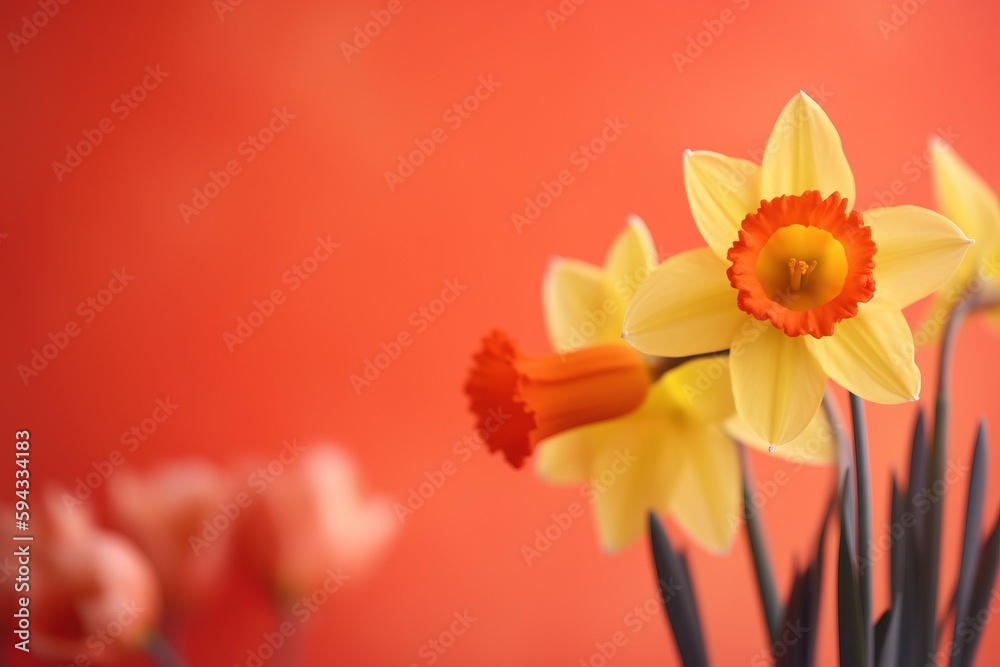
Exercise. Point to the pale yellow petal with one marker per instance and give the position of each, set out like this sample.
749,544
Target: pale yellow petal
708,499
871,355
630,259
721,191
579,306
702,389
816,445
917,251
964,196
777,384
567,458
804,153
686,307
630,479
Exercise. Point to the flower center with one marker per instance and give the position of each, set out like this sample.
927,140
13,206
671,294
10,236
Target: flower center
804,263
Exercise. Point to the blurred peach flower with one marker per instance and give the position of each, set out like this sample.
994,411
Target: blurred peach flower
162,511
313,524
94,596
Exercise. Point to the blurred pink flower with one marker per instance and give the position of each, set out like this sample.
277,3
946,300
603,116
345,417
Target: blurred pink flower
93,595
166,512
313,523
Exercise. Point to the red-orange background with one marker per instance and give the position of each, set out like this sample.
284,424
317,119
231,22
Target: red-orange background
324,174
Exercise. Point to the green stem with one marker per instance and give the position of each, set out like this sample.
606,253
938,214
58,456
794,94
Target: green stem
839,434
864,490
773,609
935,479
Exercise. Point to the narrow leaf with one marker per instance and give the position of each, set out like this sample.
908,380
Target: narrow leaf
897,548
851,634
982,591
678,597
911,618
792,652
887,635
918,463
970,542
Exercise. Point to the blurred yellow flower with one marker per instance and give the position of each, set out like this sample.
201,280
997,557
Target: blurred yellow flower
796,285
584,304
965,197
672,454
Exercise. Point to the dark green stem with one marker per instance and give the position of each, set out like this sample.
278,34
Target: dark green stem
935,479
773,609
864,490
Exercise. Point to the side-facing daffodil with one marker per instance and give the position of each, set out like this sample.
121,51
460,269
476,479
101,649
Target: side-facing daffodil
964,196
797,285
599,419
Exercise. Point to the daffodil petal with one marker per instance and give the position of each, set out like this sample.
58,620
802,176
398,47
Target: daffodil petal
708,499
630,465
777,384
702,388
630,259
686,307
721,191
917,250
871,355
964,196
804,153
576,300
816,445
567,458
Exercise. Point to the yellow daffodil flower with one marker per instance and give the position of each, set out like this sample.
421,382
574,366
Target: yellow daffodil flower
599,420
965,197
799,287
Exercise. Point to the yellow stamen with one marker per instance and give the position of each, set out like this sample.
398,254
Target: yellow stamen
797,269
